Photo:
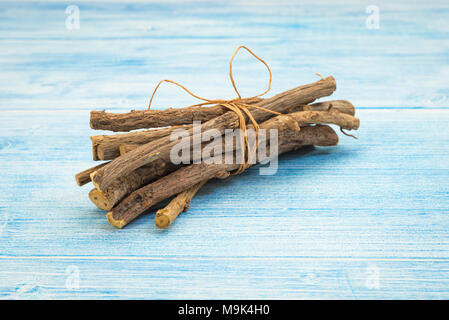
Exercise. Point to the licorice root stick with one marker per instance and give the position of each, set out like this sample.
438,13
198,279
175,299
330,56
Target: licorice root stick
141,119
146,174
83,177
106,147
161,148
165,217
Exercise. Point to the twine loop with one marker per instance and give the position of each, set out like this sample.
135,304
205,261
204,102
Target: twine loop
236,105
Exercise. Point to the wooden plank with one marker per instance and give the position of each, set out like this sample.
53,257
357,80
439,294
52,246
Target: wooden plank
202,278
331,214
122,50
365,219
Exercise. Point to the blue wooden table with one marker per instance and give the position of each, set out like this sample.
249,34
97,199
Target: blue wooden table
365,219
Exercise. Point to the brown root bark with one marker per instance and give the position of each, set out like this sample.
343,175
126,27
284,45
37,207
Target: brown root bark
303,118
344,106
161,167
160,149
125,185
140,119
127,147
106,147
83,177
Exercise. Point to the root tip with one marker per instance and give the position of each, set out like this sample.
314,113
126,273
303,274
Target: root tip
161,220
113,222
98,198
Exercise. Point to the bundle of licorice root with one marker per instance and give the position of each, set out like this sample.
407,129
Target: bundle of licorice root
140,171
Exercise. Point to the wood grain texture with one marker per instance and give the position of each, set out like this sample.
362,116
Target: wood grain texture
336,218
122,50
378,203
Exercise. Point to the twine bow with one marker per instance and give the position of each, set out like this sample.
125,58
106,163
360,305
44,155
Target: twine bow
236,105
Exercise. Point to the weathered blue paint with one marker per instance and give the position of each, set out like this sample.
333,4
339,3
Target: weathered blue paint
365,219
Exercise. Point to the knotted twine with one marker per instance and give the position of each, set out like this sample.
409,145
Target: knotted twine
236,105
